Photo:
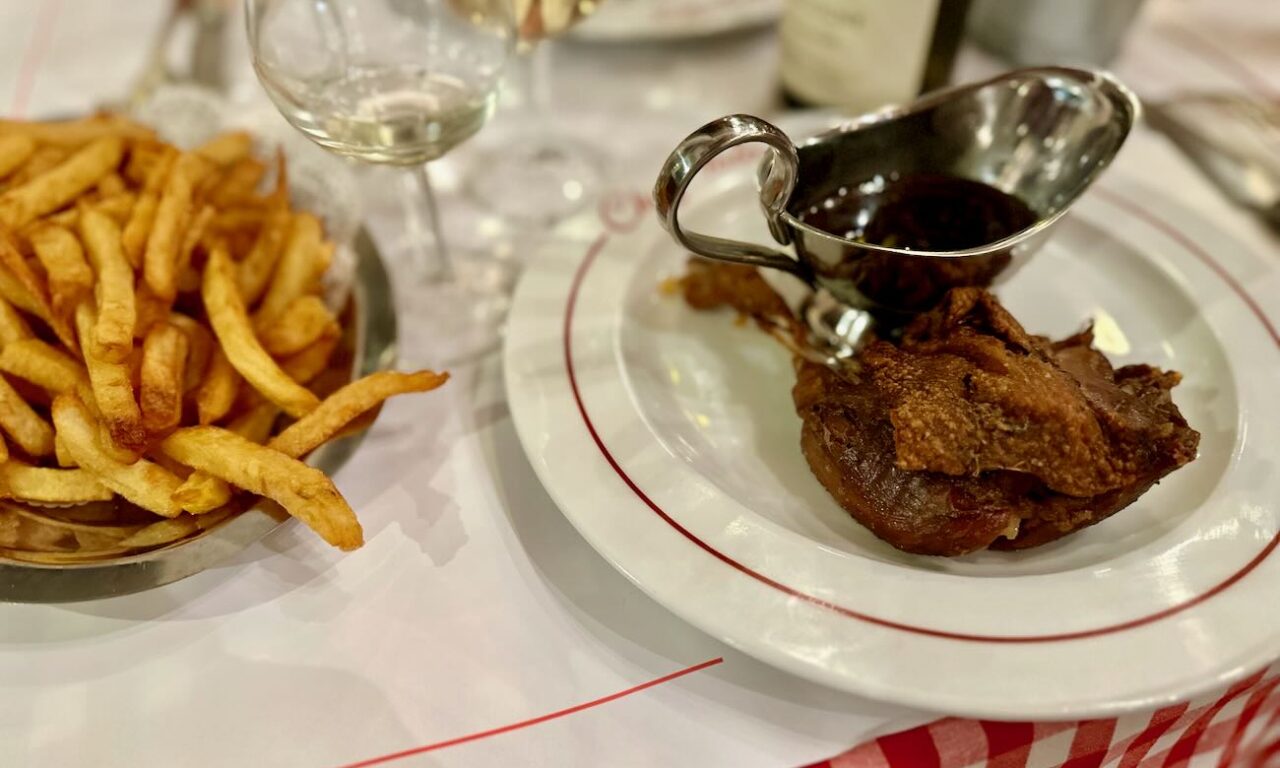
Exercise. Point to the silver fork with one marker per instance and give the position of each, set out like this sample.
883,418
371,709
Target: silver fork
1234,140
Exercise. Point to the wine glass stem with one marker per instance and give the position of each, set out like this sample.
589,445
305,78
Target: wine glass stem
537,81
424,226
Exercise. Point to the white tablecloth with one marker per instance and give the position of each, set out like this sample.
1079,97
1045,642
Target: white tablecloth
474,605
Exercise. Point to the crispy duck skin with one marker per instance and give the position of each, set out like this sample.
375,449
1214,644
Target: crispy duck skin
968,432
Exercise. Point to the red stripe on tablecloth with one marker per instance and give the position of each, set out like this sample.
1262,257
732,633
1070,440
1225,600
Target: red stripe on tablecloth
536,720
1251,709
1213,738
1264,759
37,48
1008,744
868,755
1268,741
1090,744
910,749
959,741
1186,745
1265,753
1160,722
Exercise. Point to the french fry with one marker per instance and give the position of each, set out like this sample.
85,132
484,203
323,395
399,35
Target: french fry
33,285
117,309
61,185
304,321
150,310
45,485
14,151
217,392
255,424
12,326
22,424
164,360
143,482
261,261
188,275
342,407
70,278
227,148
144,156
112,387
74,133
241,218
14,292
304,492
306,365
40,162
231,324
176,467
272,240
61,453
143,216
237,184
110,185
4,450
201,492
160,259
200,345
13,259
118,207
163,532
304,259
48,368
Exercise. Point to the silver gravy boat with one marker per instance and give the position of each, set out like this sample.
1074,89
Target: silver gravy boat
1041,135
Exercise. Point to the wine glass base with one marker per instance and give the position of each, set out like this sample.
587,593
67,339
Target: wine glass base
445,325
450,316
536,178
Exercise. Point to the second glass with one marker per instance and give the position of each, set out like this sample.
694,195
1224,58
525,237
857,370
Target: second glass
541,174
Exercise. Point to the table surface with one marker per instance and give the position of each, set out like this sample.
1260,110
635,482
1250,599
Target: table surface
475,619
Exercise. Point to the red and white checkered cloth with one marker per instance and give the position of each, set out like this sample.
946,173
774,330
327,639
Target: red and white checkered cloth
1238,729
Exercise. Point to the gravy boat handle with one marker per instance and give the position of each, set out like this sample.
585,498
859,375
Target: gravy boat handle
777,180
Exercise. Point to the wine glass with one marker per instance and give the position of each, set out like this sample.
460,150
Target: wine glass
541,175
399,83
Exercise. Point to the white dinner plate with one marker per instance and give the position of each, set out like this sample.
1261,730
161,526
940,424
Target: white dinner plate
630,20
668,438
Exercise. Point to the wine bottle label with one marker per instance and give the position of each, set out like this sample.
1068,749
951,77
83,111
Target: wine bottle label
859,54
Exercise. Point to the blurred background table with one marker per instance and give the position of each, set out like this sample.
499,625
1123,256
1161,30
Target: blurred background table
475,607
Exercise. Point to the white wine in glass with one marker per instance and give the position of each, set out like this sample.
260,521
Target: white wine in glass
398,115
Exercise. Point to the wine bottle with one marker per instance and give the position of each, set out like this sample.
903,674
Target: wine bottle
862,54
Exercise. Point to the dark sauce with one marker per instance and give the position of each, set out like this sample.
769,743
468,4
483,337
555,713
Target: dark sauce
920,212
916,212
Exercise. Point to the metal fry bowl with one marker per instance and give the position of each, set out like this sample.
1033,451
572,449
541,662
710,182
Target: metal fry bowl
369,342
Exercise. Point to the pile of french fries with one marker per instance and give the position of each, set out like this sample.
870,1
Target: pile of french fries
160,316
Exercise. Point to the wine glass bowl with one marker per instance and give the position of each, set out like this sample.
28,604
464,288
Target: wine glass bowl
394,82
399,83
